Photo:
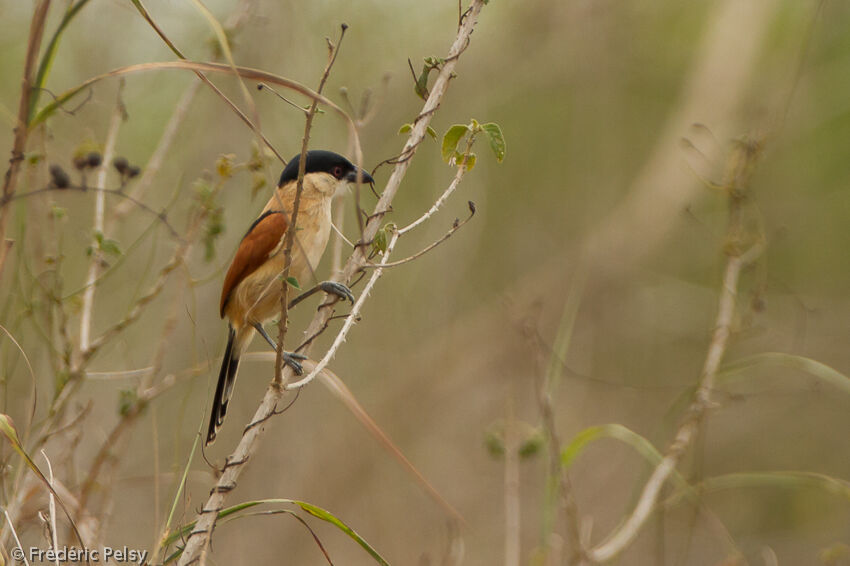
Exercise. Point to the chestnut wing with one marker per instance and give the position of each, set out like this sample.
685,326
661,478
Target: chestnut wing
262,238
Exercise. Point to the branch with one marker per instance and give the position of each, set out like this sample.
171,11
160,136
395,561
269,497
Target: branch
169,133
115,192
354,315
99,211
623,536
289,239
457,225
21,130
235,463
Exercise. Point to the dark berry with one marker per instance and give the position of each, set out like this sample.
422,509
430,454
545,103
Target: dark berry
93,159
120,164
59,177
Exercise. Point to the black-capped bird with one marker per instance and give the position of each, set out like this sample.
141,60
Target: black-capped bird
252,286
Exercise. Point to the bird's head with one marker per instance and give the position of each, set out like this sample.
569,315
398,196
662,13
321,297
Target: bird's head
330,173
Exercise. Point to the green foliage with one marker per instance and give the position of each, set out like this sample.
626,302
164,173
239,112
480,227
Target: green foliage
456,133
496,139
382,237
213,228
49,54
451,139
104,245
420,86
293,282
405,128
224,165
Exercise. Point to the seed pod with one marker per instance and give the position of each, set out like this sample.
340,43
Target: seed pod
59,177
94,159
120,164
80,162
133,171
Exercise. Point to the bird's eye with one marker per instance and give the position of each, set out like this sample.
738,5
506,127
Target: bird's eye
337,172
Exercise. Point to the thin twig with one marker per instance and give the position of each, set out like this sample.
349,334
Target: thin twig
114,192
627,532
118,115
51,506
22,130
289,239
354,315
175,261
242,116
455,227
511,488
743,248
169,133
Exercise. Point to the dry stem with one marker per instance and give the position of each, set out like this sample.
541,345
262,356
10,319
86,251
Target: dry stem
623,536
740,167
99,211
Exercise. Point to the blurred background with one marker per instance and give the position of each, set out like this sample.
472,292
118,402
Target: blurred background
619,118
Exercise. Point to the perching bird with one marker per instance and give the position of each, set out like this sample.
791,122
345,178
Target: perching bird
252,286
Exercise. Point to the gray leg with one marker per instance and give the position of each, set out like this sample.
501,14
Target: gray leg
290,358
331,287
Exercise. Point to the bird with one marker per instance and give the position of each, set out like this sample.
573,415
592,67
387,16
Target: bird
251,291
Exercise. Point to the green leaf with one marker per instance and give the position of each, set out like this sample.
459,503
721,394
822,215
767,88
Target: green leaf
324,515
497,140
775,479
380,241
451,138
49,54
817,369
110,246
293,282
313,510
618,432
432,132
405,128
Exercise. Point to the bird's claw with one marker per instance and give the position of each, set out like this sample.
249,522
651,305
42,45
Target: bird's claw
291,359
338,289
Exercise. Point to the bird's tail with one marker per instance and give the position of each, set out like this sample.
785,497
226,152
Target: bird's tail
226,378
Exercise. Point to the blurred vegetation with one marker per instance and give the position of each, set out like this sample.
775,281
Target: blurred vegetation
594,98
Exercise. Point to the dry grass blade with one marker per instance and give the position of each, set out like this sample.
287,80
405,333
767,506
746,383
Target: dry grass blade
32,376
339,390
203,67
7,428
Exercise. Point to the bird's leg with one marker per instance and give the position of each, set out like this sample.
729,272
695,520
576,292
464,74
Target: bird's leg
290,358
331,287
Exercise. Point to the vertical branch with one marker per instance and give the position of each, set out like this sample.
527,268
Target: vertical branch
289,239
22,126
99,212
742,248
511,488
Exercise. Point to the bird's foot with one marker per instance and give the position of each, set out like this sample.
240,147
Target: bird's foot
338,289
292,360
